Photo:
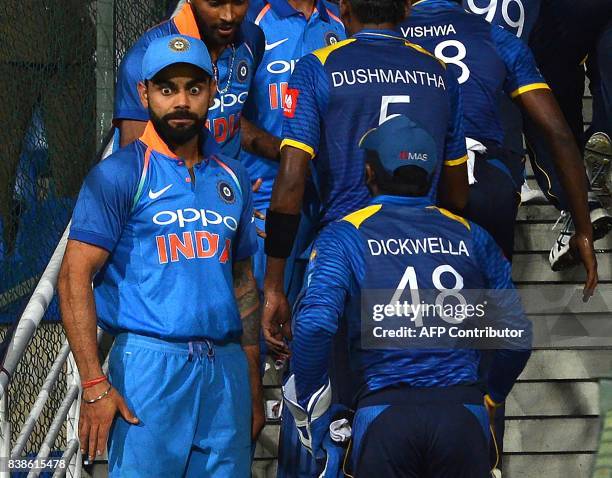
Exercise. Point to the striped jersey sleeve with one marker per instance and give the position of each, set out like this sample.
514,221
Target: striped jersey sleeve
522,72
303,105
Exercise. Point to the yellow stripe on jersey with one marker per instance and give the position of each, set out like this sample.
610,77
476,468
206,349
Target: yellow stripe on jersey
323,53
526,88
450,215
456,162
298,145
356,218
420,49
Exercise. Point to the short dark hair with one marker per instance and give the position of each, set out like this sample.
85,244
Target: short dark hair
405,181
379,11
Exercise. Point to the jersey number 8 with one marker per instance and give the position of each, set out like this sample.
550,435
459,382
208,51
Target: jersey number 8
409,281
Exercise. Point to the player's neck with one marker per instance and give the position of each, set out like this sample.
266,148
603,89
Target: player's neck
374,26
189,151
304,6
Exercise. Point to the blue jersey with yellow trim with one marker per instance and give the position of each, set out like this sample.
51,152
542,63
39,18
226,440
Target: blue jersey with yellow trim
516,16
289,36
172,241
236,67
487,59
373,249
338,93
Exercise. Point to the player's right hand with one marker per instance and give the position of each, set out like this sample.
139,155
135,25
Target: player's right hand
582,247
96,419
276,323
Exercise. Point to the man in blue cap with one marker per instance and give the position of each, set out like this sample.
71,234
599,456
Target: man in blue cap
163,229
419,408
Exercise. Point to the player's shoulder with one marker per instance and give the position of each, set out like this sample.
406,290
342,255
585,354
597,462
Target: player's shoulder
165,28
123,166
357,219
323,54
251,33
419,50
451,218
333,11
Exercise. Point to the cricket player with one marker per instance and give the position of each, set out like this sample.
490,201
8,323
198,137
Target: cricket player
419,411
292,30
236,48
163,229
489,62
337,94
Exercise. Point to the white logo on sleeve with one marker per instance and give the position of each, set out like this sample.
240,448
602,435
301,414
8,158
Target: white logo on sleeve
155,195
272,46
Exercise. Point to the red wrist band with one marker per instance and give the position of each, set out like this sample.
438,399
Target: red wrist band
95,381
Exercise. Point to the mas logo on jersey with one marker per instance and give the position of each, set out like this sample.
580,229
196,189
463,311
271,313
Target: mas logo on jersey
179,44
226,193
242,71
290,102
331,38
407,156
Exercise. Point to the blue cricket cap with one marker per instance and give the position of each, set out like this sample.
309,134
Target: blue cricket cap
399,141
172,49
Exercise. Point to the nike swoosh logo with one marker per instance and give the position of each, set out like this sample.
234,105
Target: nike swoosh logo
271,46
153,195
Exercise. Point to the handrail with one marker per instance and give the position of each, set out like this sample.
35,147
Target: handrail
71,449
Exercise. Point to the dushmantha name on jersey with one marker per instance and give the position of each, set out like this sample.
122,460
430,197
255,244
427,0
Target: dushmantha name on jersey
426,245
428,31
390,75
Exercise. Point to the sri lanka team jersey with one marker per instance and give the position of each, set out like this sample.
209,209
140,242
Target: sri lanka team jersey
289,36
487,60
338,93
172,241
516,16
376,249
236,67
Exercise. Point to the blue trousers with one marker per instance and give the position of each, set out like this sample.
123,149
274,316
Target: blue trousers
421,433
194,405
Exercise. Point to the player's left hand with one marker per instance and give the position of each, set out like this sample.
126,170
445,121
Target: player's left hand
582,247
258,419
276,323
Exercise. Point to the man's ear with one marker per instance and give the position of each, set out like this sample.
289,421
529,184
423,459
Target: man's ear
143,94
370,175
345,12
212,92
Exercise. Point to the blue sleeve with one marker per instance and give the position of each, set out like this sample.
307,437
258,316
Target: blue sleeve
246,237
105,201
258,46
455,152
507,311
522,72
330,277
127,101
304,102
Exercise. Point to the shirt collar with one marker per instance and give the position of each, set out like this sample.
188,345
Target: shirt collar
381,34
186,24
283,9
152,140
411,201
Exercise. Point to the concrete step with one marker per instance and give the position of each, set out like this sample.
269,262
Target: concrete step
534,267
567,364
548,466
540,237
553,399
551,435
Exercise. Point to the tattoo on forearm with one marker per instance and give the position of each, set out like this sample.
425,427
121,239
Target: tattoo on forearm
247,298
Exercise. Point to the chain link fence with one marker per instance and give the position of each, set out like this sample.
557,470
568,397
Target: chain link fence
50,60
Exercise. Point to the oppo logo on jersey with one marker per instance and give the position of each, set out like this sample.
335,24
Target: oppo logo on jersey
278,67
184,216
228,100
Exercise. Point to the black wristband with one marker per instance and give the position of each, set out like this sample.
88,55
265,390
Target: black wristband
281,230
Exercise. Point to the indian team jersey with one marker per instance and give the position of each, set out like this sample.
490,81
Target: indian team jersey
516,16
487,59
396,244
172,241
289,36
340,92
236,67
